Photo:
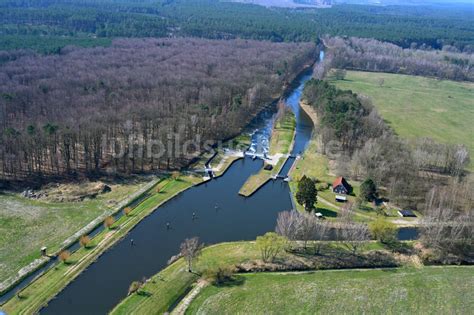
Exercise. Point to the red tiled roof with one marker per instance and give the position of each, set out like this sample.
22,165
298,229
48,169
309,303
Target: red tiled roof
337,182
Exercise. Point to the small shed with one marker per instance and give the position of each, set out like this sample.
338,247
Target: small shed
340,198
407,213
341,186
268,167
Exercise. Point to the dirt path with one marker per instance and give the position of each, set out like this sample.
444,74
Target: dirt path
184,304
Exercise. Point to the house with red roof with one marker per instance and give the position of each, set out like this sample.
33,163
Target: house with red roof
341,186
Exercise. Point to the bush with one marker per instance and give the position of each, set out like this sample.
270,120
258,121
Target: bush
109,221
64,256
127,211
224,275
134,287
270,245
383,230
84,241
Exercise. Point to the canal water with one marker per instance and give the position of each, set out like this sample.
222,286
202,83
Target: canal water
221,215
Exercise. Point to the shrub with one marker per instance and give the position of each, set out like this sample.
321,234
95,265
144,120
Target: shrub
383,230
64,256
175,175
84,241
270,245
322,186
127,211
135,286
224,275
220,276
109,221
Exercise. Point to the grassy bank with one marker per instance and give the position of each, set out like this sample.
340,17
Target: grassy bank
280,146
26,224
166,288
39,292
171,283
429,290
419,107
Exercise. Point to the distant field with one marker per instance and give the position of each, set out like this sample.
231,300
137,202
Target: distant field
28,224
430,290
418,106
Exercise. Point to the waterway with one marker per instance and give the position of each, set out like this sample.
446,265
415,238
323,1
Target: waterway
220,215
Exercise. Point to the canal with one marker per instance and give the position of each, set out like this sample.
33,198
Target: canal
220,215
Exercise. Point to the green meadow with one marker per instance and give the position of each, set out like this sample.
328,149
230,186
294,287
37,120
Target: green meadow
418,106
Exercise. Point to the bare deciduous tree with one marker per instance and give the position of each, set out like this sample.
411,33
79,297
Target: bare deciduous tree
190,249
354,235
73,120
64,256
304,227
374,55
447,231
288,224
322,231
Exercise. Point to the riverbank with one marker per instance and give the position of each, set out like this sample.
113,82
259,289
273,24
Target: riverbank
162,292
281,142
224,156
37,294
27,222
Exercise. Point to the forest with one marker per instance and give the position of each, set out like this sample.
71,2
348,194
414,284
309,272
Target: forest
136,106
49,25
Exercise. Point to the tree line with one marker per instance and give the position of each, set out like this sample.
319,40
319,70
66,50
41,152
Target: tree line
136,106
48,25
373,55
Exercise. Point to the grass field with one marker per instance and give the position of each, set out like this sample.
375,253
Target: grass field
418,106
280,145
165,288
173,282
429,290
27,224
39,292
